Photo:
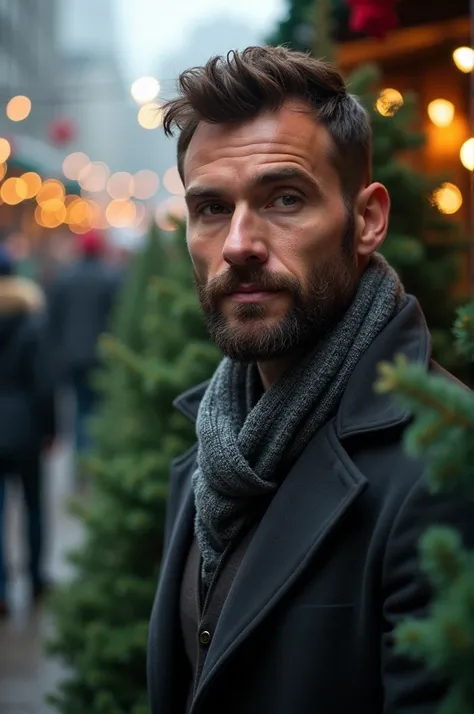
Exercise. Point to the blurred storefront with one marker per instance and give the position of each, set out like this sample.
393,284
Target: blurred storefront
430,53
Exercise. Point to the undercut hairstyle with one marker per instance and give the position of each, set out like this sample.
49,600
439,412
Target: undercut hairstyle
243,84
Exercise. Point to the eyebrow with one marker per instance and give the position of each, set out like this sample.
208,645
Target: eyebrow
269,177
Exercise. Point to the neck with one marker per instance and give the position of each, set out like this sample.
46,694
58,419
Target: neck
271,371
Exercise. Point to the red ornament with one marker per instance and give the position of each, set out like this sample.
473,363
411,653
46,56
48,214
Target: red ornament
374,18
62,131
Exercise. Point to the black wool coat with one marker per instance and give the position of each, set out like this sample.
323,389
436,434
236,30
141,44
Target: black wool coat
333,567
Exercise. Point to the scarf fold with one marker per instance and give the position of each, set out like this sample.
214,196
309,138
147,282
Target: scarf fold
248,443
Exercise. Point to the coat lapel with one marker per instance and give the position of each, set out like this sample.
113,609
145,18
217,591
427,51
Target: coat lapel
314,496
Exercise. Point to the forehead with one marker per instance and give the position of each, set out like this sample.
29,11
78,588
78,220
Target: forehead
289,136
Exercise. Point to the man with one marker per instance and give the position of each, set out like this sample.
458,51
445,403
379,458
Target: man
80,304
291,541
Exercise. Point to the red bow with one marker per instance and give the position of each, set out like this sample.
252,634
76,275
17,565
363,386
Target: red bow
373,17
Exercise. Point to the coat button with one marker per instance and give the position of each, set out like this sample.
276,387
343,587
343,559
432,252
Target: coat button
205,637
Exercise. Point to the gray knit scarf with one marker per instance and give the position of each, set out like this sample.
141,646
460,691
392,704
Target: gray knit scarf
247,443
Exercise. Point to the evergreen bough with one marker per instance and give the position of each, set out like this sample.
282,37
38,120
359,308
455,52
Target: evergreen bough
442,433
101,616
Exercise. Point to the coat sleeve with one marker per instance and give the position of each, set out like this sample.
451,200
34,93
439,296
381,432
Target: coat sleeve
409,687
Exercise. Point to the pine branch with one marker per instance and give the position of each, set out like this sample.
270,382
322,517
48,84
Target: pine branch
413,386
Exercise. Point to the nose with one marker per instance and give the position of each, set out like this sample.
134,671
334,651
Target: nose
245,242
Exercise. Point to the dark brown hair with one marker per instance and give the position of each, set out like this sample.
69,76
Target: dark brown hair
241,85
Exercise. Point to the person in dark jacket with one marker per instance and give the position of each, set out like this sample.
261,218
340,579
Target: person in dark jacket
81,300
27,413
291,540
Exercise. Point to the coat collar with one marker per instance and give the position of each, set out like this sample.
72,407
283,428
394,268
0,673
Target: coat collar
406,334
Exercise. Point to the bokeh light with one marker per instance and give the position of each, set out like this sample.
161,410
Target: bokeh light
33,183
172,181
18,108
389,101
448,198
13,191
5,150
150,115
441,112
120,186
3,171
145,89
464,59
467,154
170,213
94,176
51,189
74,164
145,184
121,214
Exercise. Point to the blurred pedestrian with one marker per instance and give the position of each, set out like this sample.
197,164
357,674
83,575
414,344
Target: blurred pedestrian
27,415
81,299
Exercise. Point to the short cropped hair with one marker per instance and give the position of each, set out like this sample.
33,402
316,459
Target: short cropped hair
243,84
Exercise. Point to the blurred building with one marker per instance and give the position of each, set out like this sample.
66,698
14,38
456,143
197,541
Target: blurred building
431,54
94,92
28,62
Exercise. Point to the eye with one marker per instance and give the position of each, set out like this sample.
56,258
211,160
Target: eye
212,209
287,200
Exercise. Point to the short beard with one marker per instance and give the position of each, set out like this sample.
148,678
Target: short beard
330,290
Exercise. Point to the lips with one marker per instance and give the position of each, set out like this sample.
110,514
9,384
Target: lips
250,293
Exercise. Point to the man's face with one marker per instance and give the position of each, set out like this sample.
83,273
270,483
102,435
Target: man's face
268,232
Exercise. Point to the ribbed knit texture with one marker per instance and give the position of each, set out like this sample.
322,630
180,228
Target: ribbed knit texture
248,444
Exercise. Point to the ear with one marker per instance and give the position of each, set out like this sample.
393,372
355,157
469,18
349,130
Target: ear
372,210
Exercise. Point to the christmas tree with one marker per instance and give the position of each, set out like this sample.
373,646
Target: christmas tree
422,245
101,615
443,434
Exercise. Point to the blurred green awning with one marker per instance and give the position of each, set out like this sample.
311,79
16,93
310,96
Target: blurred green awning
30,154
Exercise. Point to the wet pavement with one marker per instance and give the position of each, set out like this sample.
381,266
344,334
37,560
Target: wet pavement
26,674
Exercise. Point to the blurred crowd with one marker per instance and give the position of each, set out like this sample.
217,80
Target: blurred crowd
48,348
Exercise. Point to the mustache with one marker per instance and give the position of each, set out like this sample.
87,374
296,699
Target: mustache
232,279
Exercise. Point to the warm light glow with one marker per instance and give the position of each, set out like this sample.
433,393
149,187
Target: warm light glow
79,228
141,215
145,184
389,101
18,108
74,164
93,177
145,89
150,115
77,211
52,205
33,183
448,198
172,181
464,59
94,214
441,112
51,214
467,154
3,171
169,213
121,214
5,150
13,191
51,188
120,186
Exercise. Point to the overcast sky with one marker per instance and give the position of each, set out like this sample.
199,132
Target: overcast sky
148,29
